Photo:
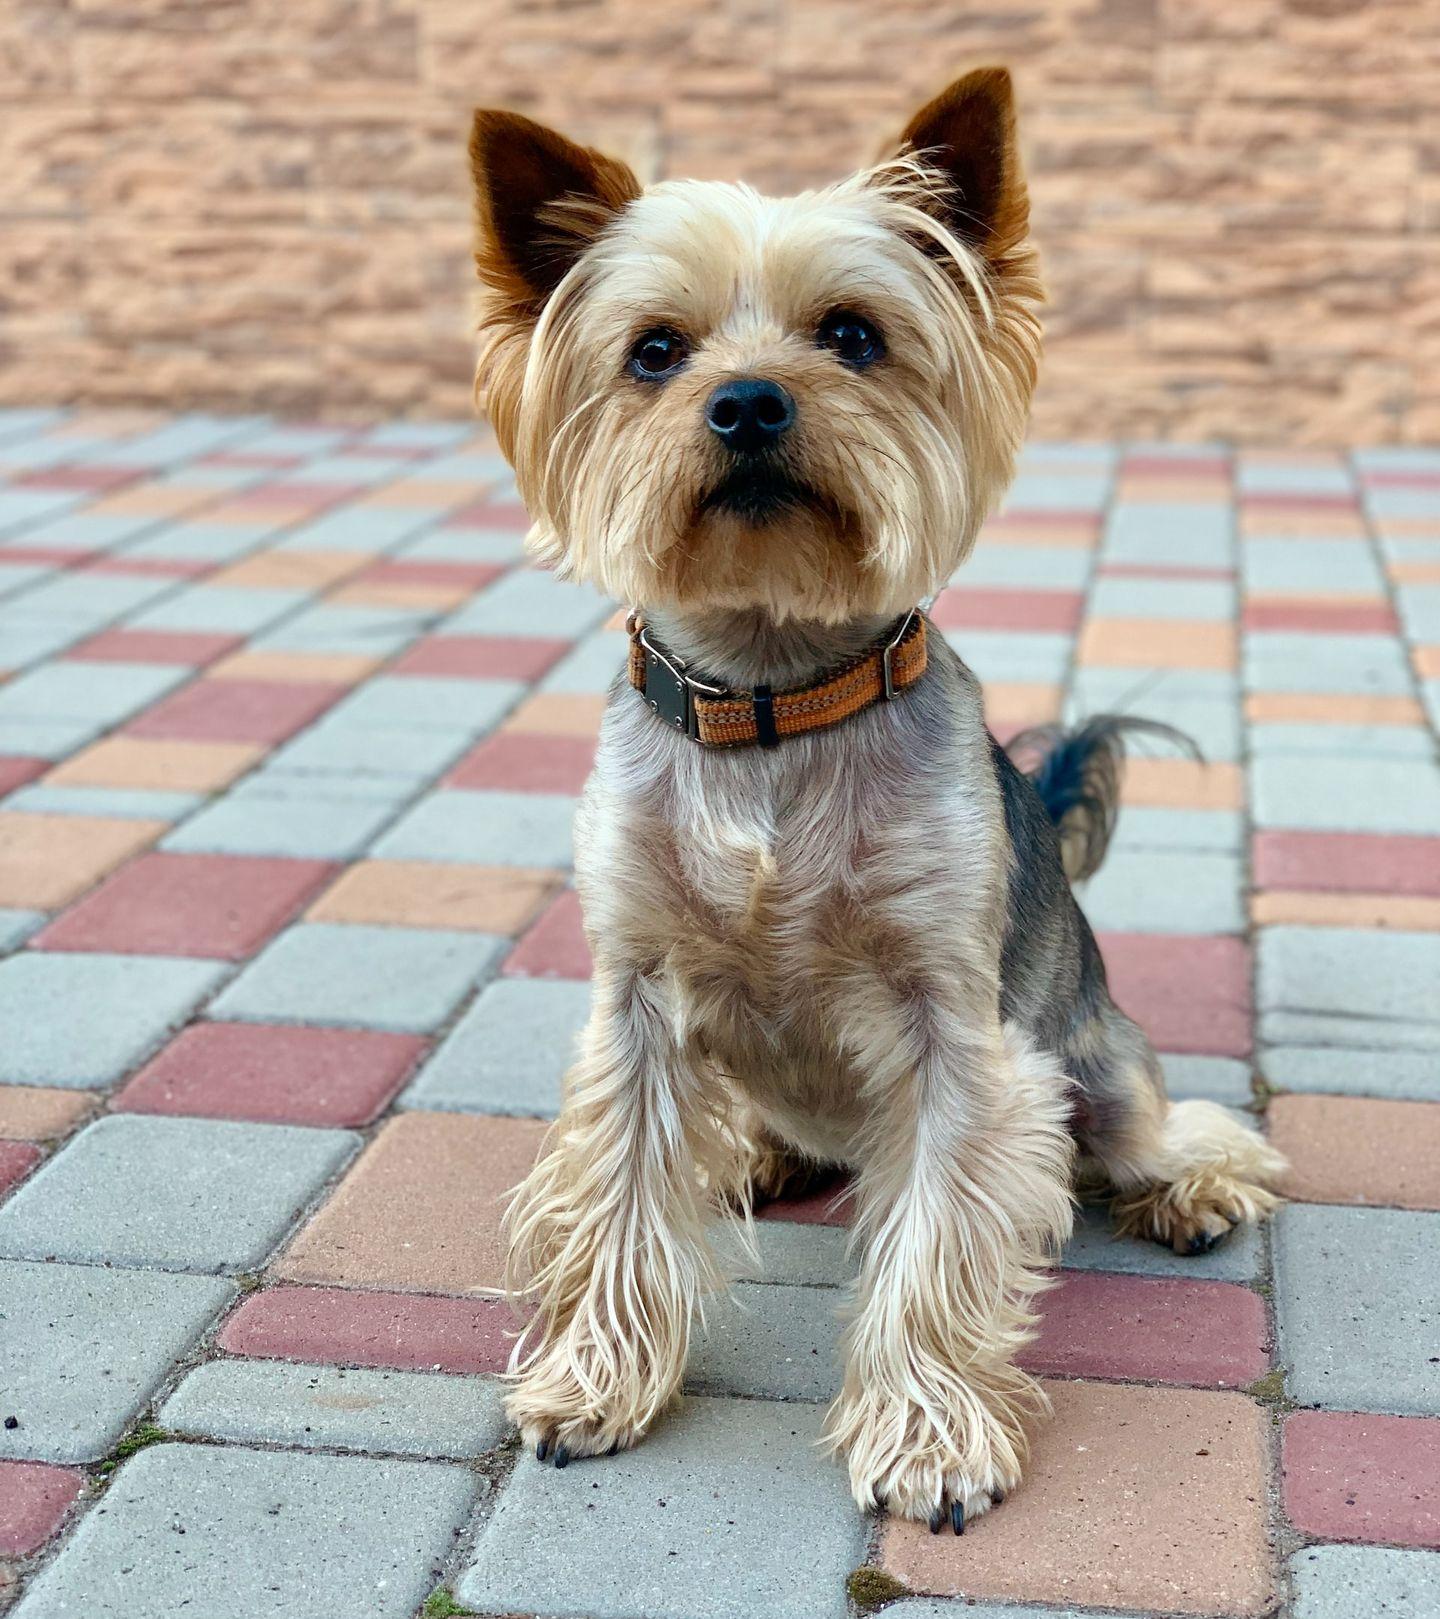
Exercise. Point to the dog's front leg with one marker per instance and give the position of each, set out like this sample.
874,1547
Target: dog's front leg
609,1227
963,1198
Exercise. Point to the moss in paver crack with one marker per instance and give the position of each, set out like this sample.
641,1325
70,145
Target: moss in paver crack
147,1433
871,1588
440,1604
1271,1390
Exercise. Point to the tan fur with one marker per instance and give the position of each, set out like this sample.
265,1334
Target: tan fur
798,950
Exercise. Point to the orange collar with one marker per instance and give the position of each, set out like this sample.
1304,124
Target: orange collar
719,717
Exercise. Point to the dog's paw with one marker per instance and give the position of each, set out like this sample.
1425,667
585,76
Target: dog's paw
901,1460
1193,1215
561,1419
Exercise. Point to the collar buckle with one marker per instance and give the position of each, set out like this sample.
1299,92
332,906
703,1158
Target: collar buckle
887,657
668,689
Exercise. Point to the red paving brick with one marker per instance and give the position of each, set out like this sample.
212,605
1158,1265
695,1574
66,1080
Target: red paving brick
1348,1149
1359,1477
153,646
1155,1329
1322,618
17,1159
34,1498
555,946
962,608
482,657
469,575
502,514
1348,862
279,1073
265,711
16,770
345,1327
526,761
222,906
1190,993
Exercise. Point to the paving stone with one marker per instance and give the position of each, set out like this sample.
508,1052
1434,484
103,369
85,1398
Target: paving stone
16,926
403,1413
319,828
341,1326
497,828
1190,993
810,1255
1190,535
428,703
34,1499
131,1003
1205,831
404,979
266,711
1412,1075
45,739
273,1073
1005,655
46,860
1094,1246
593,664
85,1348
1166,892
1211,600
529,597
743,1487
105,803
425,894
123,761
39,1112
1336,1582
1326,794
1339,986
1106,1512
327,749
17,1159
965,1608
221,906
266,1533
219,610
515,761
1378,1272
1372,665
771,1342
421,1209
1355,1477
1344,1150
555,946
509,1053
181,1194
1366,863
378,631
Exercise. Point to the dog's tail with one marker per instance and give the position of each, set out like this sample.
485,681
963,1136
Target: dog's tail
1077,774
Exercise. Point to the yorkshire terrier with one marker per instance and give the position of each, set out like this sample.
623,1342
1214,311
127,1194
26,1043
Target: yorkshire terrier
831,918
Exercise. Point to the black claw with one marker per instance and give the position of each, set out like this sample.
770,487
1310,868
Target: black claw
997,1498
937,1518
957,1517
614,1450
1201,1243
542,1450
562,1457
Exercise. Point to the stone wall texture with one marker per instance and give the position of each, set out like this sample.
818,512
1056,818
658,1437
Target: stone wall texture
262,203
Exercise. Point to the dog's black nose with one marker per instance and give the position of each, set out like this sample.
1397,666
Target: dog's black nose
749,414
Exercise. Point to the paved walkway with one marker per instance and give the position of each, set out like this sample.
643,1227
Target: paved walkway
291,741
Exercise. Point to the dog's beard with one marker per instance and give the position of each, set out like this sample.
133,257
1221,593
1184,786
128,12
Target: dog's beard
763,494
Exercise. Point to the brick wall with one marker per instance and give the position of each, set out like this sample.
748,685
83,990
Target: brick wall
262,203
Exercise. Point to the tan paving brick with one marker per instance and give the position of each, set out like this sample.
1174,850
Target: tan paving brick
341,668
424,894
1135,1498
1182,784
290,570
188,767
1414,912
46,860
40,1112
421,1209
1345,1149
557,714
1330,708
1146,643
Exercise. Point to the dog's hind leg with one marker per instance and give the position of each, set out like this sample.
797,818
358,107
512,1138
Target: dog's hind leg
1183,1173
609,1232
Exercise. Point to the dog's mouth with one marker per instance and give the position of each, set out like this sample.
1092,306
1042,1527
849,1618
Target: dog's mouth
760,495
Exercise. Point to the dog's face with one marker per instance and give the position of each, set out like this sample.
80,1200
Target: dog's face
717,399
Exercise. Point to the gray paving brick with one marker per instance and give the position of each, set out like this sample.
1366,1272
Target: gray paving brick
1094,1246
964,1608
1380,1582
755,1522
468,707
419,435
129,1004
247,1534
1001,655
1215,831
103,694
219,609
1212,600
203,1195
1276,478
1214,1079
85,1347
405,979
374,630
769,1341
274,781
1212,722
1037,490
1332,986
508,1053
1342,741
124,803
789,1252
312,829
46,739
591,666
488,829
1404,1075
530,597
463,545
1420,611
1357,1296
277,1402
400,752
17,926
199,542
1280,568
1046,567
98,598
1150,693
1197,535
358,528
1364,664
1159,891
1325,793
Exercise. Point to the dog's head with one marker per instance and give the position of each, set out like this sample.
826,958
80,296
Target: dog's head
717,399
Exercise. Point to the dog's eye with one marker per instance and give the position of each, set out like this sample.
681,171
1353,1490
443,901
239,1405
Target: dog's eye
851,338
657,353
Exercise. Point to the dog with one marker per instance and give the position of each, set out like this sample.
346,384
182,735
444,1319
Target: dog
831,919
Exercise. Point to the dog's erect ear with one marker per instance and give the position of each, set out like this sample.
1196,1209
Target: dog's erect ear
539,201
968,133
